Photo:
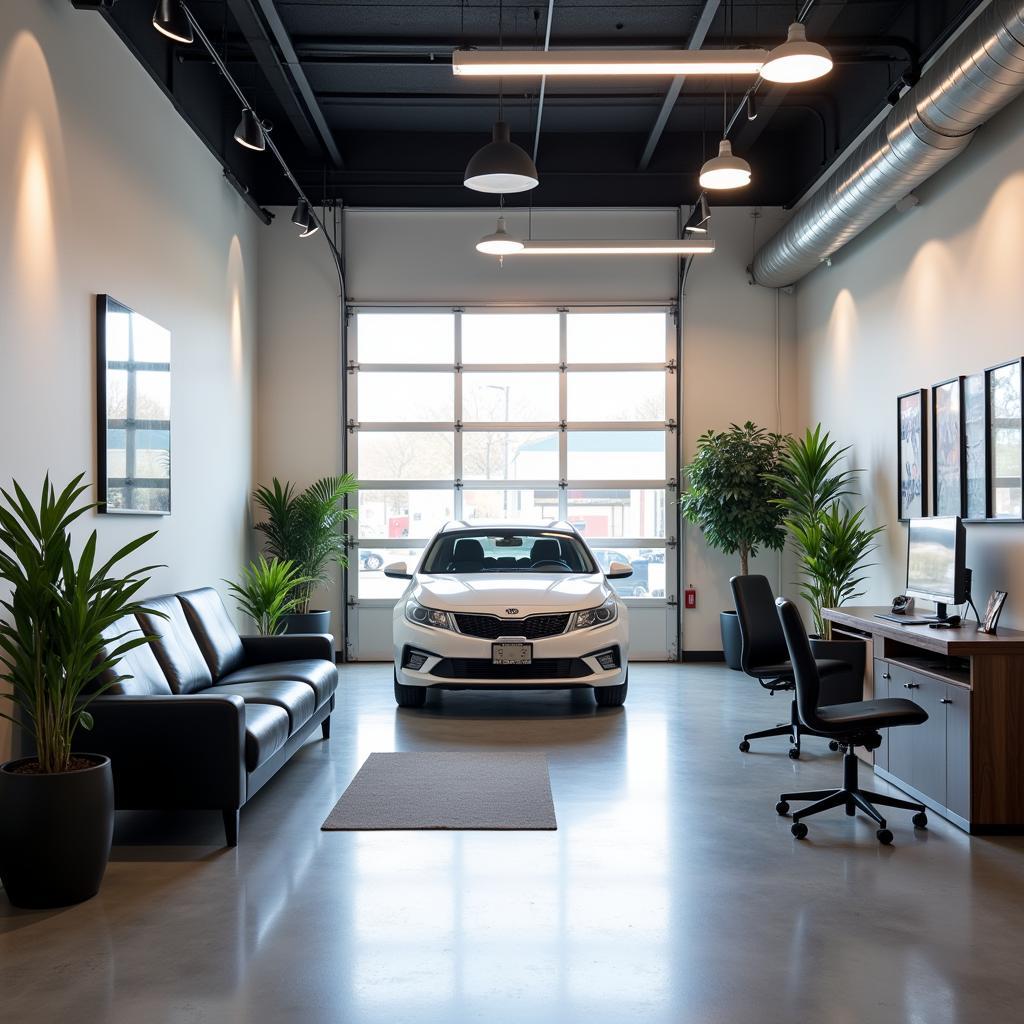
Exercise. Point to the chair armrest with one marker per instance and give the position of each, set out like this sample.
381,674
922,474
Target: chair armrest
288,647
174,750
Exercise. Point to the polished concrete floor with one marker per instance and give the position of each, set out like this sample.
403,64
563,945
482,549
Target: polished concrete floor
670,892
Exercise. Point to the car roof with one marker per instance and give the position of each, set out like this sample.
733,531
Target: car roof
553,526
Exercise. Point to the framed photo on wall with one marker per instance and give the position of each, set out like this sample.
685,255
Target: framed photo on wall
948,471
1003,387
912,470
975,446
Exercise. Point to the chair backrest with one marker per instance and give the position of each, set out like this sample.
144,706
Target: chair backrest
213,630
760,631
805,669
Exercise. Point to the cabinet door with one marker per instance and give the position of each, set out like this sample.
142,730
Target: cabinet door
958,750
881,679
928,741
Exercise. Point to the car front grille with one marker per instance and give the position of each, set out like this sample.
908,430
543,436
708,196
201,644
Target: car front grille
490,627
540,668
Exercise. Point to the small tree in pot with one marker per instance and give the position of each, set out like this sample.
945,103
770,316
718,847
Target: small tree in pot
57,807
267,593
732,497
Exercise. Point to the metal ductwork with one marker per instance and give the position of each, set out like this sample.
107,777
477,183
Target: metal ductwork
978,75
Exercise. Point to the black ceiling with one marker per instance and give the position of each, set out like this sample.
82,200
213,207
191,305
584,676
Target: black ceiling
365,107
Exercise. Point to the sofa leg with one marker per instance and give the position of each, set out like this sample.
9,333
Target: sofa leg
325,727
231,816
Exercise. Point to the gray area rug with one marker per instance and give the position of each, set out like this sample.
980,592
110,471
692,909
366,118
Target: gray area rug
428,790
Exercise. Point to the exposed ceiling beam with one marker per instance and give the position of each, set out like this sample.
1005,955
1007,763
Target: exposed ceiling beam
697,37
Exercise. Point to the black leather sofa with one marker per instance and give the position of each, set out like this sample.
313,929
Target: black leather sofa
207,717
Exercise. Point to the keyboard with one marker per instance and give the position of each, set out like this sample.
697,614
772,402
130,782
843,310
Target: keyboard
902,620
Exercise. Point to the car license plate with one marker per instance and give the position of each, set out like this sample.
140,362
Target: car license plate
511,654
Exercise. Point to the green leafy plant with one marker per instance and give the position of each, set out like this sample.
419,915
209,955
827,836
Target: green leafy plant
304,527
52,643
832,540
266,592
730,493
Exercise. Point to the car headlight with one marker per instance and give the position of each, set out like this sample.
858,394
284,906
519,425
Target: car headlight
608,612
416,613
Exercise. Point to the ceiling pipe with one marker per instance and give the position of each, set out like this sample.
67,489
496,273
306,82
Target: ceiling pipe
979,74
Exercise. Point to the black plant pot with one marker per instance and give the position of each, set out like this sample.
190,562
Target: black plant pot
844,687
732,642
308,622
55,833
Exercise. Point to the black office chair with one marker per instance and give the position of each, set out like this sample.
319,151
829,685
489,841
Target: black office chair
764,655
851,725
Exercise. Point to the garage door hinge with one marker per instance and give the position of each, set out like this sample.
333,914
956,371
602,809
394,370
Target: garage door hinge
672,484
561,309
352,602
458,483
563,367
563,484
353,366
458,309
352,426
563,425
458,426
457,367
671,425
671,542
671,366
671,601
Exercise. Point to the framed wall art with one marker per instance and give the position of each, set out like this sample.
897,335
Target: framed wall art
1003,386
948,471
975,420
912,470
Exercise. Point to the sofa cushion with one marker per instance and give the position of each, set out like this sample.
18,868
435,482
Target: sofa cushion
213,629
296,698
139,664
266,732
175,647
321,675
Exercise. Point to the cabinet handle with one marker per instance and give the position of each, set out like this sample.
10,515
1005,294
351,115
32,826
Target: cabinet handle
911,686
945,700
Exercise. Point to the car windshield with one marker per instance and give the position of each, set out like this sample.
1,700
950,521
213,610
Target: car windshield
496,550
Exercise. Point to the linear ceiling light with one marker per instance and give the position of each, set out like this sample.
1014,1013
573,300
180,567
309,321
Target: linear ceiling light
617,247
797,60
512,63
171,21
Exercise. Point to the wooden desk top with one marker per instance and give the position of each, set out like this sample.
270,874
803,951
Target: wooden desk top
962,641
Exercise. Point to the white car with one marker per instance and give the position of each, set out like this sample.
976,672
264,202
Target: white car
509,607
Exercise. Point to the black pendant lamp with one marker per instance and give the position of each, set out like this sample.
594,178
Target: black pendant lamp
171,20
302,218
501,166
249,132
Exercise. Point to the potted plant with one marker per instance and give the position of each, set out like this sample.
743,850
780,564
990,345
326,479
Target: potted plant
731,497
831,541
57,806
304,528
267,592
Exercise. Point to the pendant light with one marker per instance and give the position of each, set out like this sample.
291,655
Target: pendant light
302,218
170,19
700,218
797,60
726,170
249,132
499,242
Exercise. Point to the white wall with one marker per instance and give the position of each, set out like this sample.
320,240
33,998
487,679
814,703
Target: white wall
428,256
103,188
920,297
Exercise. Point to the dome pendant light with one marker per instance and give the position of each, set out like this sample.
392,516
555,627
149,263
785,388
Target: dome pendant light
725,170
249,132
501,166
797,60
499,242
170,20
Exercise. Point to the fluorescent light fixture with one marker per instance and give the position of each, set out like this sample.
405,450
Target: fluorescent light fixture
797,60
499,242
512,63
170,20
725,170
617,247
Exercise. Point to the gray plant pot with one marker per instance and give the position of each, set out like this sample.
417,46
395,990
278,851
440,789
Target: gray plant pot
309,622
845,687
732,642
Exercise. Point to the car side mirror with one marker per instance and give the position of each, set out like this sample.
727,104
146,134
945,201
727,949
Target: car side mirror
398,571
619,571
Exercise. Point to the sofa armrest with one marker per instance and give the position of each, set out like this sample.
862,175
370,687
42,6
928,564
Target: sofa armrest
182,750
288,647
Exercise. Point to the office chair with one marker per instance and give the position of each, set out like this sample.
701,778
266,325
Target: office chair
764,655
851,725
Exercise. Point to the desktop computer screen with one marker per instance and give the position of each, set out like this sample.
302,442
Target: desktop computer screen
936,560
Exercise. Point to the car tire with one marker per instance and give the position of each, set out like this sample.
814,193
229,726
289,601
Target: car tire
410,696
611,696
374,562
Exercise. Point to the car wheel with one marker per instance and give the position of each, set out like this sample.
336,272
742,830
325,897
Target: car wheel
374,562
410,696
611,696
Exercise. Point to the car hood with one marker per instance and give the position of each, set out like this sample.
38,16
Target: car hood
496,593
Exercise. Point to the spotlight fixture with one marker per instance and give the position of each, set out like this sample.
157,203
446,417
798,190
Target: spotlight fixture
302,218
170,19
501,166
797,60
700,217
752,110
551,63
617,247
249,132
725,171
499,242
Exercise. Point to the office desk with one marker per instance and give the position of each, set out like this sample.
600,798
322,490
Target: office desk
967,761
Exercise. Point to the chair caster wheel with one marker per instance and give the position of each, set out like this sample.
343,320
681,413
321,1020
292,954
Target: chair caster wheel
799,830
744,746
884,836
833,745
794,754
920,820
782,808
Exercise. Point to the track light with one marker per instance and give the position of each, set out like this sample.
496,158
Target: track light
797,60
302,218
752,110
725,170
499,242
501,165
249,132
170,19
700,217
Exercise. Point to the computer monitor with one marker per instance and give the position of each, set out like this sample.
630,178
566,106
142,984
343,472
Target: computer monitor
936,562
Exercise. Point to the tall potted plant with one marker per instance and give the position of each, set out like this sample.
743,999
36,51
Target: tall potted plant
831,541
267,593
304,528
731,497
57,806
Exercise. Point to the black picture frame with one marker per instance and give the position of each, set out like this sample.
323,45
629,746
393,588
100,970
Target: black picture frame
133,411
975,417
1004,420
911,430
948,454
